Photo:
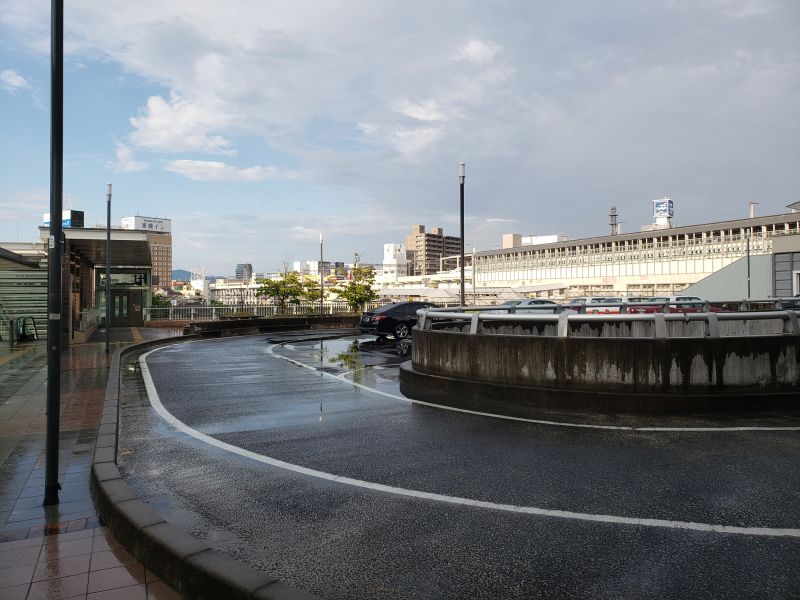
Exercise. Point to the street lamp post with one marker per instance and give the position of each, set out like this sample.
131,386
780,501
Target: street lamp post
108,266
461,177
51,485
321,279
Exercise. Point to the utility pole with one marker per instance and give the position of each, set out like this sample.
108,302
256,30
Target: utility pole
51,485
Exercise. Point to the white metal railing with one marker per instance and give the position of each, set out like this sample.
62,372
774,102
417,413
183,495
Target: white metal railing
213,313
564,320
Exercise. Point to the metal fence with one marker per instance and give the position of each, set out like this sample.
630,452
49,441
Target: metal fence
566,323
214,313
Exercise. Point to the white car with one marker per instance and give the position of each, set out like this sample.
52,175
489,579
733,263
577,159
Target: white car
528,305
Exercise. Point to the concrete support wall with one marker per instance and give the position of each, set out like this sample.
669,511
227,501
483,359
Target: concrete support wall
758,365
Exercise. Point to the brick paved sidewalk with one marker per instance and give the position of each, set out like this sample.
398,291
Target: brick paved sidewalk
60,551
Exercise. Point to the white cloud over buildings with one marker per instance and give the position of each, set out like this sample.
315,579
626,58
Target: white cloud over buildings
575,104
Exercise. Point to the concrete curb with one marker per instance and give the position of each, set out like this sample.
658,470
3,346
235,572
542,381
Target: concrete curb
188,565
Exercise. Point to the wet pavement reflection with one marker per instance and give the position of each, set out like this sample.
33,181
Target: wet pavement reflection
292,398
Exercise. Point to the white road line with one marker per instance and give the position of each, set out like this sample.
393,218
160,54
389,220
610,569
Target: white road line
341,377
155,402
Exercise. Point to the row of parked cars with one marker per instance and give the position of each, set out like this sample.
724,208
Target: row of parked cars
610,305
398,318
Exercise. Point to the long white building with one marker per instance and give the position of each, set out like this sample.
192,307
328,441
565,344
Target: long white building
656,262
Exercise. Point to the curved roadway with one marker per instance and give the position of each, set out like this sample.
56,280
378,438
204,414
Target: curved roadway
301,457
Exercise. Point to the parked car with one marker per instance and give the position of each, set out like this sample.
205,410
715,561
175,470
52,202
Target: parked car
588,304
613,303
528,305
675,304
791,303
396,319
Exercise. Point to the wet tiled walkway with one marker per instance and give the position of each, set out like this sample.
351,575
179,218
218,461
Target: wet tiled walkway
60,551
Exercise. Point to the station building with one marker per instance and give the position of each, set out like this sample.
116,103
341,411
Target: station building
23,278
663,260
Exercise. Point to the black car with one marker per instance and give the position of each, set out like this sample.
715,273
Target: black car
791,303
395,319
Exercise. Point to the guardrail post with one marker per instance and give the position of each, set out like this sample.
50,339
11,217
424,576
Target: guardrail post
790,324
563,325
473,324
659,326
423,319
712,325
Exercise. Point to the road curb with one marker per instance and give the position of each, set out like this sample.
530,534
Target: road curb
188,565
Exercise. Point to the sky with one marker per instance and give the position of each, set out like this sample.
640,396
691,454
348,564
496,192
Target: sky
255,125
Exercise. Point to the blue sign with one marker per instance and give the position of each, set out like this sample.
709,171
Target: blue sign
663,208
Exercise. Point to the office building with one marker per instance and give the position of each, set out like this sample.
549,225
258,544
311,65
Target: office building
244,271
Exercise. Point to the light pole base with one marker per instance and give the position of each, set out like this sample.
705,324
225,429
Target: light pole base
51,494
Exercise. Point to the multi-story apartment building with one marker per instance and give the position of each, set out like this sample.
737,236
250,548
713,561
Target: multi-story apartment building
424,251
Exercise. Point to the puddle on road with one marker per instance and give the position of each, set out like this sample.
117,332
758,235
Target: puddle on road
364,360
350,354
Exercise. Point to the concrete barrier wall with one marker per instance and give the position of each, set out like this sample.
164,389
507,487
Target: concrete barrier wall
765,364
255,325
627,329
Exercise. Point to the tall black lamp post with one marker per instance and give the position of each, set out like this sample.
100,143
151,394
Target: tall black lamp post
51,485
108,266
321,279
461,176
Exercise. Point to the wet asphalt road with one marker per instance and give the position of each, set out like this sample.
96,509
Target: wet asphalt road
341,541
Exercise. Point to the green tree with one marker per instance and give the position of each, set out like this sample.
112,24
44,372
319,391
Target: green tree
311,291
283,291
159,301
358,291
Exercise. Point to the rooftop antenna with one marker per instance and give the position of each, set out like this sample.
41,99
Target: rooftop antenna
613,222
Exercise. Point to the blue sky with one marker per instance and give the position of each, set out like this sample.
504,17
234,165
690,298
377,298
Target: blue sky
256,125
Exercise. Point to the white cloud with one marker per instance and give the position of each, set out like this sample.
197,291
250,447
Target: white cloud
550,104
14,82
746,8
478,51
497,220
125,160
208,170
179,125
422,111
411,142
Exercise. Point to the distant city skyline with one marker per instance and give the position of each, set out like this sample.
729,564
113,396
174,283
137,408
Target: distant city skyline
256,126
